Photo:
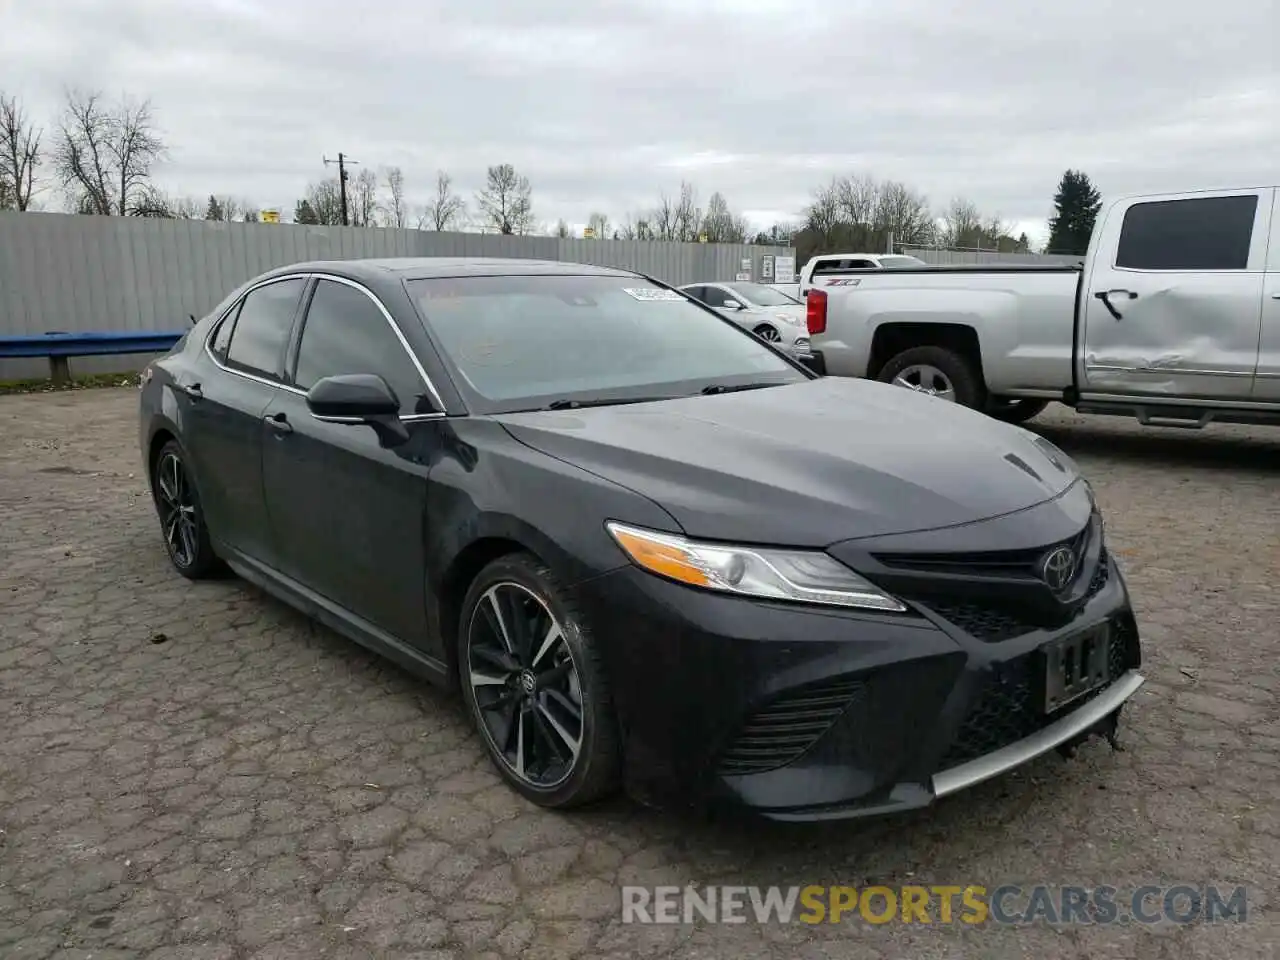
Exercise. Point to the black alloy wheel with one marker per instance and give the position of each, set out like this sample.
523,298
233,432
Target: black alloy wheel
181,522
535,688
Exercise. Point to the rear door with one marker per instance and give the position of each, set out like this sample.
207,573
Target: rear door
1172,296
1266,382
244,360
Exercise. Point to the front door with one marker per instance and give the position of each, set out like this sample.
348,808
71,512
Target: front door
348,514
224,400
1172,298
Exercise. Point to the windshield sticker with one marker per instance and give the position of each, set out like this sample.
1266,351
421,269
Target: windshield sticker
652,293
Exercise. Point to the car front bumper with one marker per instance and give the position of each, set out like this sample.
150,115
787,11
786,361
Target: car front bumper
798,713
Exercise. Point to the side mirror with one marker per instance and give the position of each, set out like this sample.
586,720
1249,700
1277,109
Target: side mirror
733,305
359,398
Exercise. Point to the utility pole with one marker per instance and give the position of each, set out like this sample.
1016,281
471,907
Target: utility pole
342,162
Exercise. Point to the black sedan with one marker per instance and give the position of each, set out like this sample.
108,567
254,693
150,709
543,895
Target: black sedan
652,551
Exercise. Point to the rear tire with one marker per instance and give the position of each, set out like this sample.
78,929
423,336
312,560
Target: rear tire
186,538
535,685
918,367
1015,410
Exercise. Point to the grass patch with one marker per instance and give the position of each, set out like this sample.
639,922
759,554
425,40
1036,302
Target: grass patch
86,381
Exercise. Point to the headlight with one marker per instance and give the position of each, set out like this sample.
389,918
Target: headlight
807,576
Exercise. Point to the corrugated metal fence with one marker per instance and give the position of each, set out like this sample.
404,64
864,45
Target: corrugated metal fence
71,273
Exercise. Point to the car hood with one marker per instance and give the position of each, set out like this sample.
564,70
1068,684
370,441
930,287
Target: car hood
808,464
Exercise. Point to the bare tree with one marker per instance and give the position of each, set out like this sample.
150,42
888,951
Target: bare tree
720,224
104,153
397,211
599,224
322,204
903,214
962,224
363,197
19,154
506,201
446,208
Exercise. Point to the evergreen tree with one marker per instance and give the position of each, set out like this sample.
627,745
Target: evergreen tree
303,213
1076,206
215,210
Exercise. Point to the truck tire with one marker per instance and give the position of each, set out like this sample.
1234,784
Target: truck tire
1015,409
949,374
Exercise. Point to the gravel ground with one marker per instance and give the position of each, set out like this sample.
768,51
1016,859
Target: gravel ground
195,771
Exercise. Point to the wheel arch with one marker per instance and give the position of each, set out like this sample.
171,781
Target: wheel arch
493,537
892,338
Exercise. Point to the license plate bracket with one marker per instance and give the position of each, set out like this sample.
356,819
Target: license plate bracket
1075,666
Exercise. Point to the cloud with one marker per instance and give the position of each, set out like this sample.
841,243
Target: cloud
605,104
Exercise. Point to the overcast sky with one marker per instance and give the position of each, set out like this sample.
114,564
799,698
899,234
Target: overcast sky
604,104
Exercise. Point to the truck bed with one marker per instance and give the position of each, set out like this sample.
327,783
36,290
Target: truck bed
1022,318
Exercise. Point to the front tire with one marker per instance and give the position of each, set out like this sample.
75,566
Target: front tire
186,538
767,333
937,371
535,686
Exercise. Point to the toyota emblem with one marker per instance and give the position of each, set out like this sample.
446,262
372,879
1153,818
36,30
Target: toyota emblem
1058,568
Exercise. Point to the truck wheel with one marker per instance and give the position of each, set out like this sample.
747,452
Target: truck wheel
1015,409
938,371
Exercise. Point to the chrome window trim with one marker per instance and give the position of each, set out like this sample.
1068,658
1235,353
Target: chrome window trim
386,315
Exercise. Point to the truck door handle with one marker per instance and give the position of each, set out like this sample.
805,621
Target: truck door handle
1106,295
192,390
279,423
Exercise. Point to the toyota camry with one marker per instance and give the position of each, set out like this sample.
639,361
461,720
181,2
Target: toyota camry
653,552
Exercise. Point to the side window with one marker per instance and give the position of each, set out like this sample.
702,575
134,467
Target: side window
715,297
1205,233
262,327
345,332
698,293
222,336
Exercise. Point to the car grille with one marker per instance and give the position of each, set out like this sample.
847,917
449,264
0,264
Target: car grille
785,729
992,623
1007,707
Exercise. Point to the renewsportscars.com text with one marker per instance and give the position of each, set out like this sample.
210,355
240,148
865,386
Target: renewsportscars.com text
972,904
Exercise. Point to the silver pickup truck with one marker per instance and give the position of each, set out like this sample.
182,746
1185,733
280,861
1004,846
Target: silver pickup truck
1173,317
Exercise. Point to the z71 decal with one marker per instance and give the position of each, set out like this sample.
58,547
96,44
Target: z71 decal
851,282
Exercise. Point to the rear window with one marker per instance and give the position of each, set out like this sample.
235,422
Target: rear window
521,342
1204,233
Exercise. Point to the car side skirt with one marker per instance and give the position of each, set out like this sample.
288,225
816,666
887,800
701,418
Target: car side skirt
338,618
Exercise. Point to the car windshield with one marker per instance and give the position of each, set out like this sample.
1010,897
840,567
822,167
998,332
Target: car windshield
762,295
524,342
899,262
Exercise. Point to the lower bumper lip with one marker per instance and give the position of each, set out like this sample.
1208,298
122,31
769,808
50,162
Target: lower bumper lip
1072,725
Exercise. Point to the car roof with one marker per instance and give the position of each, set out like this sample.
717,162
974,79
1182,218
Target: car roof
414,268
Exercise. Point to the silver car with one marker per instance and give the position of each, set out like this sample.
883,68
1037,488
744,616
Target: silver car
764,310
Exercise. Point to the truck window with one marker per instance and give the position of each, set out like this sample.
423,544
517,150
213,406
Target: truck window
1204,233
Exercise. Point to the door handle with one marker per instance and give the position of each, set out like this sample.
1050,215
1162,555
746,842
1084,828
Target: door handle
279,423
1275,296
1106,295
192,390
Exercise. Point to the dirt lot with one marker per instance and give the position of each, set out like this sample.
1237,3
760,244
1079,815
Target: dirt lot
194,771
